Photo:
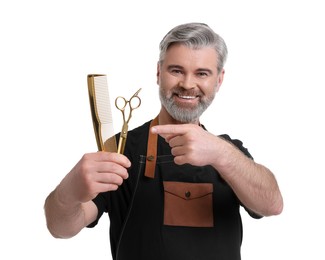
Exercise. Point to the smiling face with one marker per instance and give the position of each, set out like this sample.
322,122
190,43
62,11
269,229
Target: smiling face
188,81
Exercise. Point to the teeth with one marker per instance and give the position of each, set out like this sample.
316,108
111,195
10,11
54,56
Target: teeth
187,97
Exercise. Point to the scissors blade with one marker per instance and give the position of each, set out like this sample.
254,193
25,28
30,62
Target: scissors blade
122,140
136,93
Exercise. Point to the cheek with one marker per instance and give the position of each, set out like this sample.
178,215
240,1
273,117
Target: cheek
166,81
208,87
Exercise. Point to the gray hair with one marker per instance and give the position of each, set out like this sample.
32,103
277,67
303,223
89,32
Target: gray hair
196,36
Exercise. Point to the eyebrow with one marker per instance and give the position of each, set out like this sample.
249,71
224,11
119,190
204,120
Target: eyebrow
182,68
174,67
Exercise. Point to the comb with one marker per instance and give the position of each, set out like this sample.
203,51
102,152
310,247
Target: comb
101,112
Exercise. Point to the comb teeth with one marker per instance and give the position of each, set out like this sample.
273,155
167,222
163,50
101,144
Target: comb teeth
102,100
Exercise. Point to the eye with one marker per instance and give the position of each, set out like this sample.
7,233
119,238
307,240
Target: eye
202,74
176,71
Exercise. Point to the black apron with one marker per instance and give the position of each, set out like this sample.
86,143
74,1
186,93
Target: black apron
183,212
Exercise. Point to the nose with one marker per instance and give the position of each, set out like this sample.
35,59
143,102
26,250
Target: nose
187,82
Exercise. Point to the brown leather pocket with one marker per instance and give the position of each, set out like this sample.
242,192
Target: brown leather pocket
188,204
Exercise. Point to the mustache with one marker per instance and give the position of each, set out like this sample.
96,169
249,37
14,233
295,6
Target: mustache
180,91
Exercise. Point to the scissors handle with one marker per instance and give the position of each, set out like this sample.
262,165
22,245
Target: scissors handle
135,102
120,103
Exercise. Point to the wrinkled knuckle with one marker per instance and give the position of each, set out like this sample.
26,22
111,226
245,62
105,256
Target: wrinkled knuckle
191,137
85,157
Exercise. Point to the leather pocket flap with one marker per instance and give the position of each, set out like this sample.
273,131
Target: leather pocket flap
188,191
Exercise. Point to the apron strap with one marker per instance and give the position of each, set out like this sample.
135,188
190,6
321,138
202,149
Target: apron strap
151,151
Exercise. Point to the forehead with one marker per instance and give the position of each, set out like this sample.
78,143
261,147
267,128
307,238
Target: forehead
181,55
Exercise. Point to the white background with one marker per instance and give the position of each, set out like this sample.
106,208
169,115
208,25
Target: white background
271,99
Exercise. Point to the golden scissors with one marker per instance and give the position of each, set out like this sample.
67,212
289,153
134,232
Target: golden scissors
121,103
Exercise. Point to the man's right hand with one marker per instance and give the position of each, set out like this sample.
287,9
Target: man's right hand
94,173
69,208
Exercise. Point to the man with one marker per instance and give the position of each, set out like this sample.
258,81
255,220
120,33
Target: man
176,192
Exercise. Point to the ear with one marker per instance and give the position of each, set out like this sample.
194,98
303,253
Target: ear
158,72
220,80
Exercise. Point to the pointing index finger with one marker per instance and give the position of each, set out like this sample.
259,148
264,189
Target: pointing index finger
169,129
